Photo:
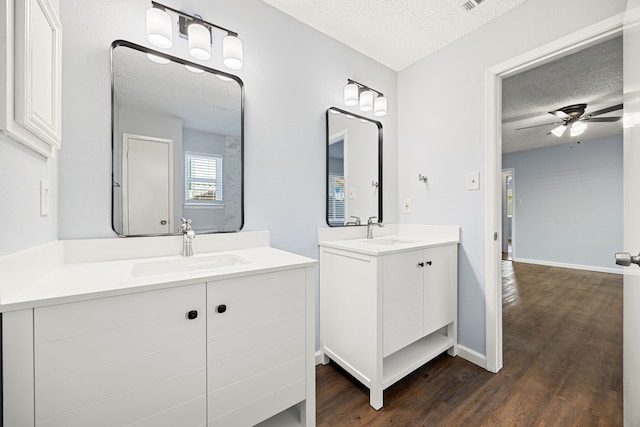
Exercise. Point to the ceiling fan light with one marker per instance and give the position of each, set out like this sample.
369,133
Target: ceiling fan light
578,128
351,95
559,131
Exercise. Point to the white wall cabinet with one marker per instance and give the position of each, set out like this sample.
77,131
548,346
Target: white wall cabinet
384,316
31,74
232,352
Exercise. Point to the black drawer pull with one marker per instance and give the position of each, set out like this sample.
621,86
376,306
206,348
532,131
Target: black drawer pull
192,314
421,264
221,308
428,262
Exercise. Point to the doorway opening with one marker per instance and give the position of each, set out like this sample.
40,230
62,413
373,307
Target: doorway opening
572,43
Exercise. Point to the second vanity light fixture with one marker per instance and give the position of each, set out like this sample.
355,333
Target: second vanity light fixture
196,30
368,98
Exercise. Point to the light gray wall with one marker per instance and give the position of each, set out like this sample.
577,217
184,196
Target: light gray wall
21,170
292,74
441,131
571,210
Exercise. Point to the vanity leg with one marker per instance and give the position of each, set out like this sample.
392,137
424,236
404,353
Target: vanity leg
452,331
376,397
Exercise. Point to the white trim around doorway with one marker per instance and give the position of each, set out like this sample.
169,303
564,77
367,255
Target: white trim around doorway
591,35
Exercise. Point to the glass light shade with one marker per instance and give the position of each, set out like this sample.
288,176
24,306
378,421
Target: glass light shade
194,69
578,128
158,59
351,95
366,101
199,41
559,131
159,31
232,52
380,106
224,78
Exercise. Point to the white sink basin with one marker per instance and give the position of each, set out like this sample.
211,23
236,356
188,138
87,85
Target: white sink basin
188,264
387,241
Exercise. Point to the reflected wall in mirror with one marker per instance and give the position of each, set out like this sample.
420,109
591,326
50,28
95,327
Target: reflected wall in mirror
177,139
354,168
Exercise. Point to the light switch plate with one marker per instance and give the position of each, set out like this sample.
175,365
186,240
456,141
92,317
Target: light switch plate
473,181
406,206
44,198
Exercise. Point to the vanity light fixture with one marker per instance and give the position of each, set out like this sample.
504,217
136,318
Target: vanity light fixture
369,99
197,31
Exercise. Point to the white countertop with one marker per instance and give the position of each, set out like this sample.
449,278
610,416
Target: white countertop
389,239
61,282
387,244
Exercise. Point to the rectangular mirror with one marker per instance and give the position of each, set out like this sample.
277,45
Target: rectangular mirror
354,168
177,143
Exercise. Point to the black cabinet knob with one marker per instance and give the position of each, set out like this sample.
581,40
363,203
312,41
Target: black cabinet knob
221,308
421,264
428,262
192,314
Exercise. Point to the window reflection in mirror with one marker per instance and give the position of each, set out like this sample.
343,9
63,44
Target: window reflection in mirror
354,168
177,144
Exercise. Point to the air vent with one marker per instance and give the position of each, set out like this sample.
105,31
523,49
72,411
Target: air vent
471,4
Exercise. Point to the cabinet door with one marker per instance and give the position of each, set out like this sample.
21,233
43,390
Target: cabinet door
255,347
402,300
440,287
134,360
31,78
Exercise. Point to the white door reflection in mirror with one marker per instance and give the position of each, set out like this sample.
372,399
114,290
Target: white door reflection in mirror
147,182
354,168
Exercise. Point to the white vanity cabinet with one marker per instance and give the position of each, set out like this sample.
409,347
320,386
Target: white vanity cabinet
237,351
256,347
134,360
386,313
31,74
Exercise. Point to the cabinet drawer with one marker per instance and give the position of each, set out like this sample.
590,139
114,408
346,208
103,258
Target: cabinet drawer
120,360
256,347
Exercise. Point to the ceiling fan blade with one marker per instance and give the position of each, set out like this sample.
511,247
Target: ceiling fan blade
537,126
606,110
559,114
604,119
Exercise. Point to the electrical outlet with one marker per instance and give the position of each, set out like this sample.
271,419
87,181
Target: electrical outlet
406,206
44,198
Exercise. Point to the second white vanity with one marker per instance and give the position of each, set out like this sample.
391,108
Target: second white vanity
388,305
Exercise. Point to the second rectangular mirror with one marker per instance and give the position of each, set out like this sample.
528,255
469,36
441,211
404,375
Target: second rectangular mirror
354,168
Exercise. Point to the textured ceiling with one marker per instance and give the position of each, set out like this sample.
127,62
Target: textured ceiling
396,33
592,76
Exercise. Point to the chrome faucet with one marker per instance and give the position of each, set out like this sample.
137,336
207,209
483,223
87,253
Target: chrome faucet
187,236
369,224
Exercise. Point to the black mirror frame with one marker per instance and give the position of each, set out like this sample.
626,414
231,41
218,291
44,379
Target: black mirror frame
379,125
143,49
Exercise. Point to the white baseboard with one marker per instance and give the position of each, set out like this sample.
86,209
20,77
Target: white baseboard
318,357
472,356
614,270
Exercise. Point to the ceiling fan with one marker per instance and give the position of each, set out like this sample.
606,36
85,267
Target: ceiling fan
573,117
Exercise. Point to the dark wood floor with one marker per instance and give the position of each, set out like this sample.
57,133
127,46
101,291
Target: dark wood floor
562,364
